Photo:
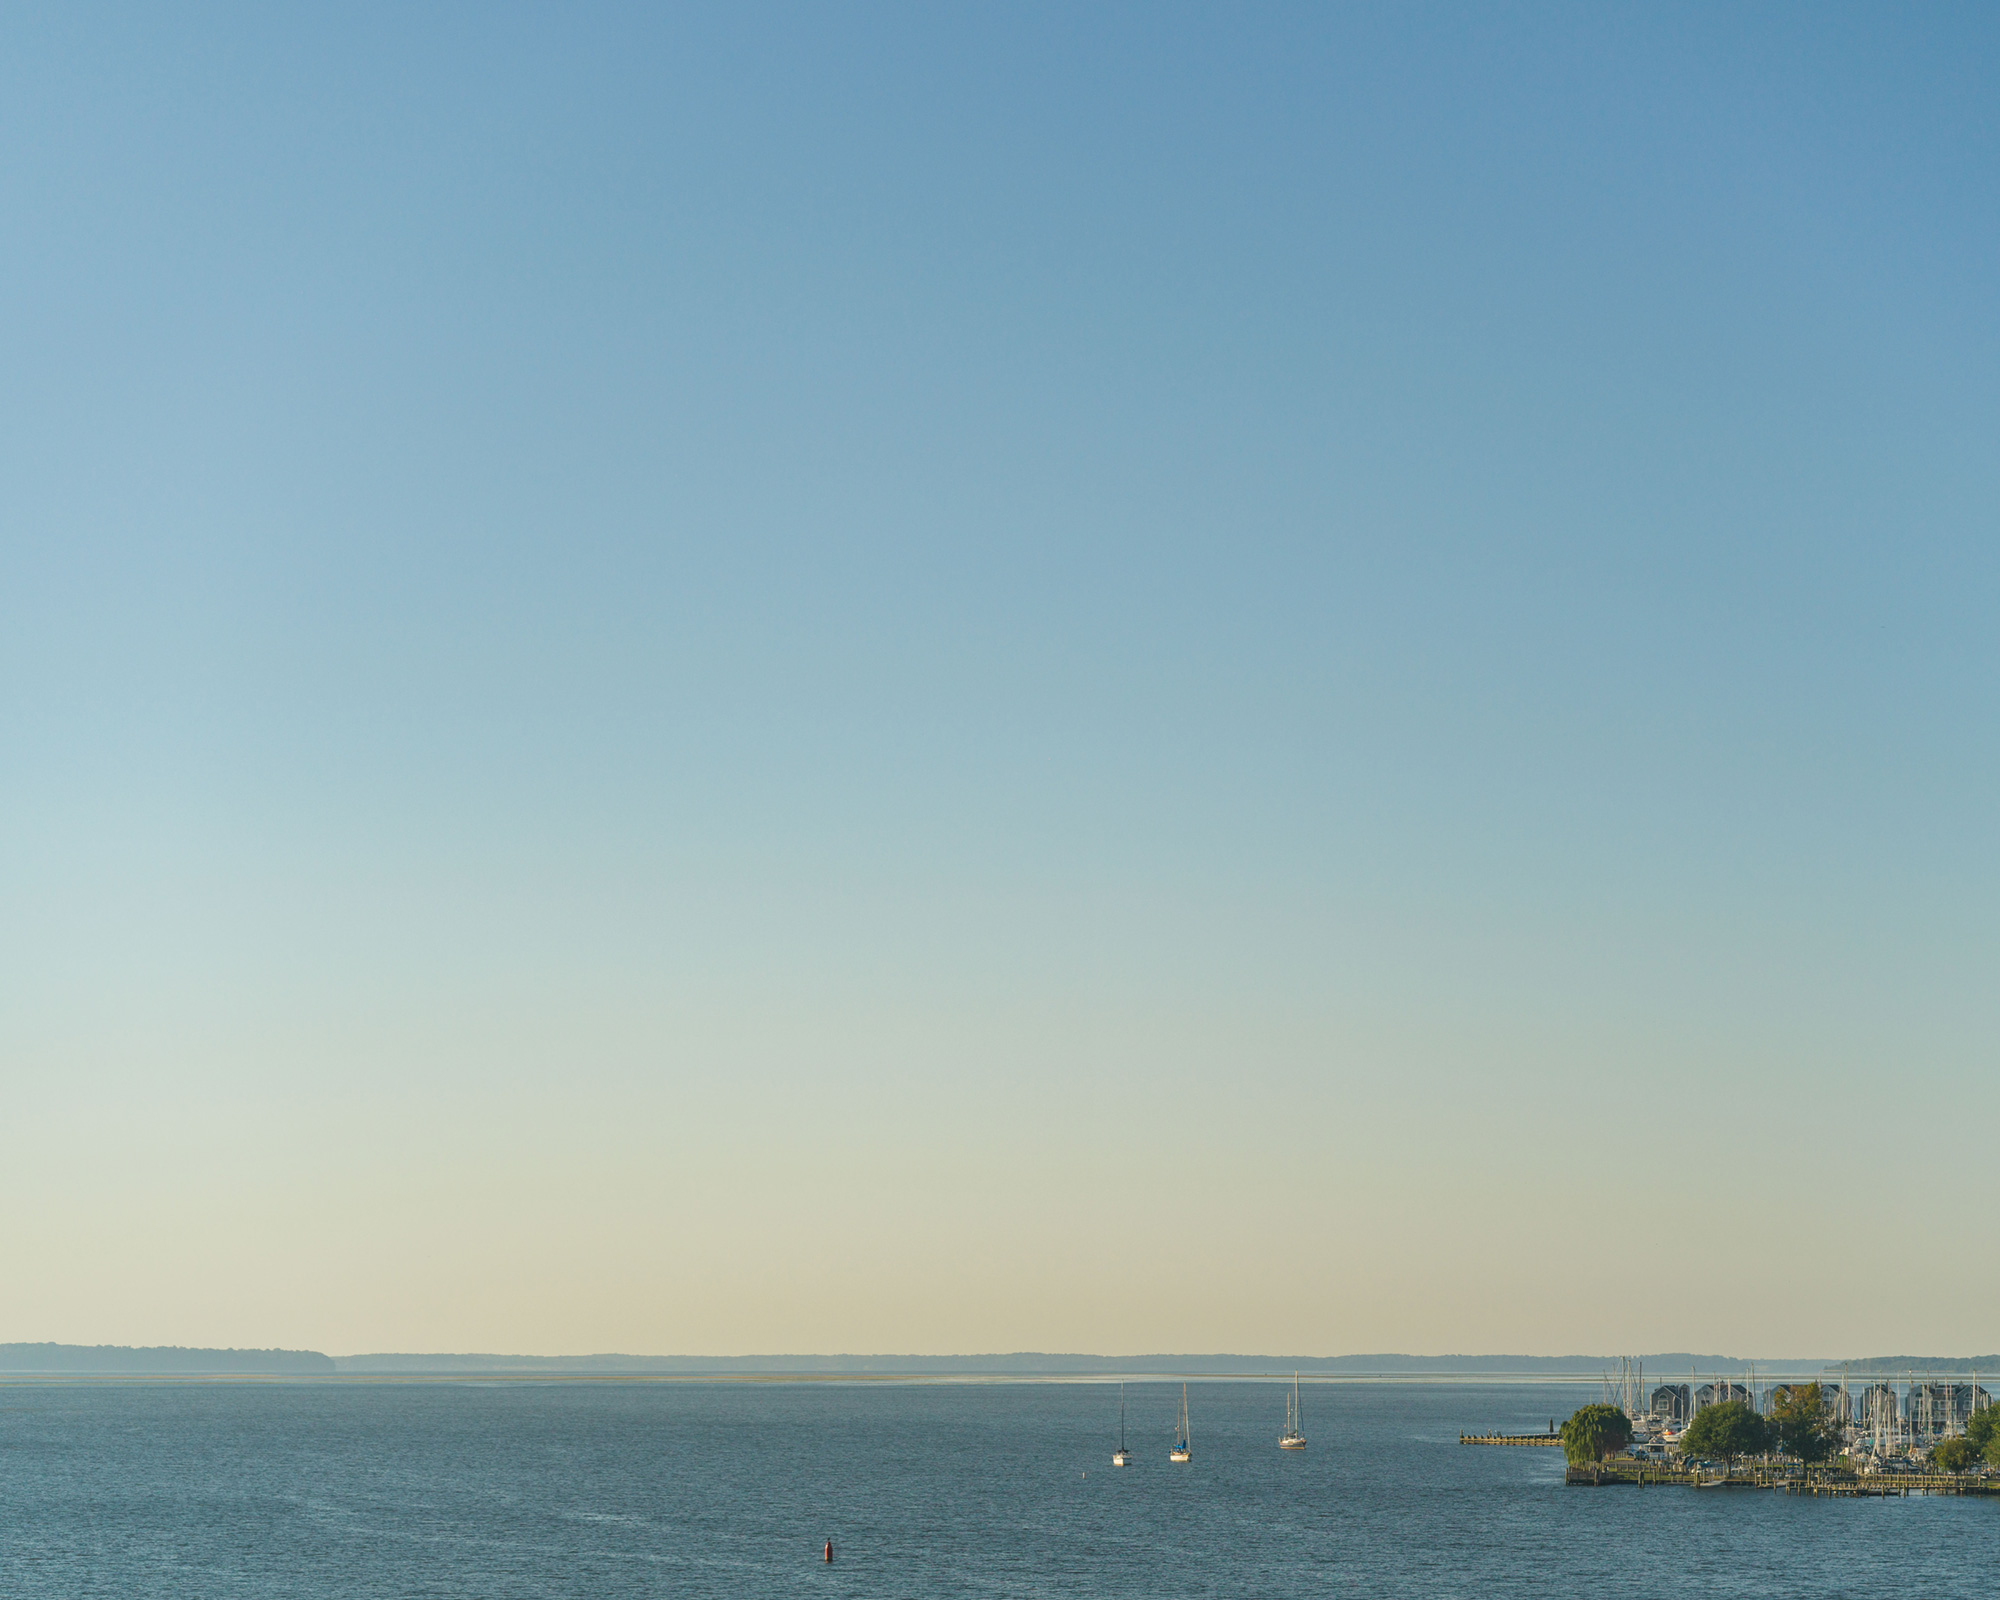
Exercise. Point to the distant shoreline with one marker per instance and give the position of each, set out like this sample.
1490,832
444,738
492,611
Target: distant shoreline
885,1380
56,1361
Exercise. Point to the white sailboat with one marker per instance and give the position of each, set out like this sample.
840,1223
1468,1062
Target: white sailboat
1294,1436
1121,1457
1183,1449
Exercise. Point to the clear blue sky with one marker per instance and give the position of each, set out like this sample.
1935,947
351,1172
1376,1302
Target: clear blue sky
982,678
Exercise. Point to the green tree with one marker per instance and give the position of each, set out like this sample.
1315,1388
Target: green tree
1955,1455
1982,1435
1727,1430
1802,1424
1595,1432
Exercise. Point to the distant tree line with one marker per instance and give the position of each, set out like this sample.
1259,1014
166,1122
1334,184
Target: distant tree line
157,1359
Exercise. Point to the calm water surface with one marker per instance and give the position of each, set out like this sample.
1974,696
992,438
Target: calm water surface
612,1489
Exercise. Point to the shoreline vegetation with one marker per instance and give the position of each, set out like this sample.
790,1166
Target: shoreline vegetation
62,1360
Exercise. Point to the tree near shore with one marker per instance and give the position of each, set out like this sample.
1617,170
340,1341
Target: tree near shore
1983,1434
1802,1424
1595,1432
1727,1430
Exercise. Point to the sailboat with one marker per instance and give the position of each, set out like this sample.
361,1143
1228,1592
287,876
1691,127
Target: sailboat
1121,1457
1294,1436
1183,1449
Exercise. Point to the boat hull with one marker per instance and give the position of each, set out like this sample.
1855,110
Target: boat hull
1180,1455
1291,1444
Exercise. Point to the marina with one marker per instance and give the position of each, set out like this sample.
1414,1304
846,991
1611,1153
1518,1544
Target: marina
1866,1436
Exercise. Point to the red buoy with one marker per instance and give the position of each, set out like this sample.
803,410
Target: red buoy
829,1549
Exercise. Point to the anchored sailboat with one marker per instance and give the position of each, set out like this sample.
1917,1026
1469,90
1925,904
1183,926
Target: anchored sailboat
1183,1449
1294,1437
1121,1457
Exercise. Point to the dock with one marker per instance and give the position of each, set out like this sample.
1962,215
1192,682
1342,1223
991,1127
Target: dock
1512,1438
1884,1485
1617,1473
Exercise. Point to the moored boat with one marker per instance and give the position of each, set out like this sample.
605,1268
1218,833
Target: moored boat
1294,1436
1183,1449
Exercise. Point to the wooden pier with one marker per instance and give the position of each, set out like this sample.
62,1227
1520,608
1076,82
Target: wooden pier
1511,1438
1885,1485
1622,1473
1634,1475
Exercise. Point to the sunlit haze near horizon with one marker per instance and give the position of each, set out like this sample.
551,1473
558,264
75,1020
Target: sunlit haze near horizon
965,679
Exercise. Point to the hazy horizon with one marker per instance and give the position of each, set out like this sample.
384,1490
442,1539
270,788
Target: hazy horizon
28,1359
1034,678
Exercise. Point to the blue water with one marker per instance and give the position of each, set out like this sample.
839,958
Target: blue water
606,1489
